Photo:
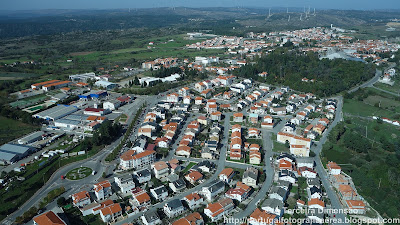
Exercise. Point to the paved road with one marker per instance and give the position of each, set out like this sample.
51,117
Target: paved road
267,146
335,202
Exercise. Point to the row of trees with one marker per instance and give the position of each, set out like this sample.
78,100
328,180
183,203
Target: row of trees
104,135
288,67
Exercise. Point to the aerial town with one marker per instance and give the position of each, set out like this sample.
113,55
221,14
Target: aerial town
225,149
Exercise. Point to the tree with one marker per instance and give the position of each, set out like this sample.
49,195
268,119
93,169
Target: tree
104,175
136,81
287,144
61,201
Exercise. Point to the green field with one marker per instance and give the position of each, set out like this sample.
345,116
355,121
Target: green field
359,108
12,129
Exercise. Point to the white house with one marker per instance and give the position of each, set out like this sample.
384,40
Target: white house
125,182
81,199
102,190
111,212
173,208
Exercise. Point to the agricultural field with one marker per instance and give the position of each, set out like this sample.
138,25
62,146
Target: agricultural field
12,129
366,109
16,76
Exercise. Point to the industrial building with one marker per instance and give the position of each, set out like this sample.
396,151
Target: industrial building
56,85
95,112
82,77
38,86
93,94
69,124
10,153
105,84
31,138
56,112
112,104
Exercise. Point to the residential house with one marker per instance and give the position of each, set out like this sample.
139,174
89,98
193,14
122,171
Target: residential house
238,117
183,151
287,175
307,172
316,203
194,177
305,162
250,176
253,118
111,212
226,175
142,176
215,188
253,133
130,159
216,211
151,218
278,193
191,219
140,197
193,200
160,169
261,217
346,192
273,206
102,189
81,199
125,182
216,116
356,206
333,168
240,192
255,157
159,193
177,185
314,192
48,218
173,98
204,166
173,208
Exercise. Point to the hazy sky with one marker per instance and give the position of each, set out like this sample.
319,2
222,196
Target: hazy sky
112,4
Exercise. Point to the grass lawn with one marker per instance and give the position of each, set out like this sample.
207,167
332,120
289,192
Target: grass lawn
79,173
12,129
279,147
191,164
255,141
294,189
122,118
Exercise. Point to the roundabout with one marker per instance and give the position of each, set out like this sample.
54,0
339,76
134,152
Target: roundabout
79,173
